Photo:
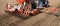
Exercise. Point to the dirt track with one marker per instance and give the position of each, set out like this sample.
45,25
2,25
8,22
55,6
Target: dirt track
41,19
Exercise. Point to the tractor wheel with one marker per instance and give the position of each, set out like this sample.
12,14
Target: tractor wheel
26,14
34,12
20,11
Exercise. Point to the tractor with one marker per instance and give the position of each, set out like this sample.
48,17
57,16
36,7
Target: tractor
22,9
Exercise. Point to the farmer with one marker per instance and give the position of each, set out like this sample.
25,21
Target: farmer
40,4
45,3
33,4
36,3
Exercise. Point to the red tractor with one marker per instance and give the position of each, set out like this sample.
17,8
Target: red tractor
23,10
